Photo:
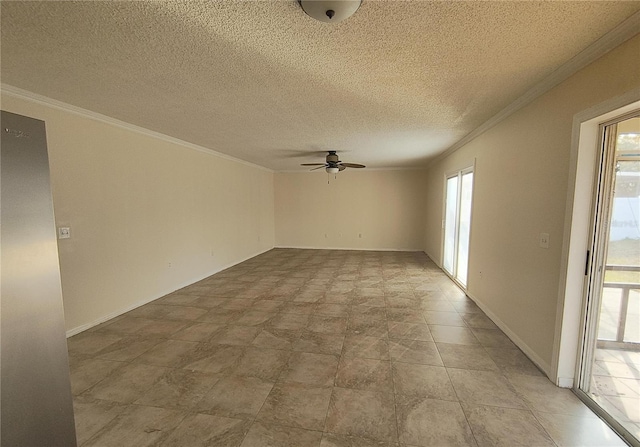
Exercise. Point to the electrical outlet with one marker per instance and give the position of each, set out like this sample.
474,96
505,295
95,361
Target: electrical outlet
64,232
544,240
359,235
169,264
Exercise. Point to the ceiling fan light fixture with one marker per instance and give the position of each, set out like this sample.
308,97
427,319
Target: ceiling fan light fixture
332,169
330,11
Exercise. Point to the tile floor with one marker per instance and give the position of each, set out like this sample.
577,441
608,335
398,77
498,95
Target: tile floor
615,386
318,348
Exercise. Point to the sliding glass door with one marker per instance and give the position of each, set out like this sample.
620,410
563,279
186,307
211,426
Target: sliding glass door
457,224
610,362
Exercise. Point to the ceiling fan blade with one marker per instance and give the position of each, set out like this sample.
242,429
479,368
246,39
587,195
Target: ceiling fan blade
319,167
352,165
342,168
312,164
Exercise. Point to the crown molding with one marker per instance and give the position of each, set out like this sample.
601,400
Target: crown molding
617,36
26,95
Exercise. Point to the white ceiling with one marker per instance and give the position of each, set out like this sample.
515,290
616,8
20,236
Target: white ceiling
391,86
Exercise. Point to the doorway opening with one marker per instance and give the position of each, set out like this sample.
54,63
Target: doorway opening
457,224
609,365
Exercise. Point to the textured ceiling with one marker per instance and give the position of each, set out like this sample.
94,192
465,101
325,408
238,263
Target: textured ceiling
391,86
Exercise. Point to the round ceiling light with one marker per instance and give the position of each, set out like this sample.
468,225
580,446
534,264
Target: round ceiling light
332,170
330,11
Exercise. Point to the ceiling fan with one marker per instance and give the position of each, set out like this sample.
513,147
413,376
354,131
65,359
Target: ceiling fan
333,164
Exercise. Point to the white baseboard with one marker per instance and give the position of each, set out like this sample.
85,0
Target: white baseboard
432,260
535,358
565,382
117,313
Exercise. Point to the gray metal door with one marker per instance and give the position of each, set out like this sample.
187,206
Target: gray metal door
36,404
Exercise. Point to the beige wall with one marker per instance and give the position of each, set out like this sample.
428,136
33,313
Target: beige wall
521,182
386,207
136,203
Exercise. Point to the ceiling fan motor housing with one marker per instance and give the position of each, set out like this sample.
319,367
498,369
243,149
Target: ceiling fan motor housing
332,157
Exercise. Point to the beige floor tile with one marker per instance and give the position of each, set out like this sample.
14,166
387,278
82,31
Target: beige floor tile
265,305
289,321
236,303
161,328
572,431
493,338
276,338
213,358
437,305
332,310
422,381
335,440
327,325
466,306
364,374
90,343
222,316
254,318
505,427
366,347
443,318
139,426
542,395
478,320
91,415
409,331
319,343
203,430
201,332
179,388
414,351
236,335
513,361
431,422
177,299
629,406
403,300
362,413
296,405
371,325
209,302
264,363
453,335
128,348
620,370
127,383
271,435
485,388
170,353
395,342
466,357
235,397
310,369
87,372
404,315
332,297
369,301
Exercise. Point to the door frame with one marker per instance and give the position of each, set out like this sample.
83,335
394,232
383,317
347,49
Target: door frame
577,229
586,146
